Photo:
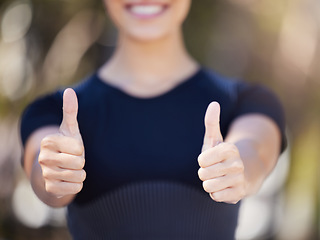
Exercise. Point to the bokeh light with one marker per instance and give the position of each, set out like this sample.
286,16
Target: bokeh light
48,44
16,21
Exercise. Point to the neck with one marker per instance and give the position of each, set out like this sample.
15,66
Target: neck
148,68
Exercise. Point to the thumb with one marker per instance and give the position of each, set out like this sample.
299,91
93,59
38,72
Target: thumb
212,135
69,126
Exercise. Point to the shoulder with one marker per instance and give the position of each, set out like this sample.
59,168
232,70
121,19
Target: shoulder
92,91
238,97
46,110
238,90
53,100
226,87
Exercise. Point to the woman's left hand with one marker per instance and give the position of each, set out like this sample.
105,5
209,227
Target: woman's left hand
221,167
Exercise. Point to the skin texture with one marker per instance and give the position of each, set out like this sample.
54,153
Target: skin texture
236,167
151,59
152,29
58,174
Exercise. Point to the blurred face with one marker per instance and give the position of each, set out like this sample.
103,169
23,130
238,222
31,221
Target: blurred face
147,20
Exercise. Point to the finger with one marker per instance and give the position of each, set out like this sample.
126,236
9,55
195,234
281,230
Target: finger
61,160
65,175
69,126
61,143
228,195
212,135
230,166
60,188
67,161
219,183
218,154
213,171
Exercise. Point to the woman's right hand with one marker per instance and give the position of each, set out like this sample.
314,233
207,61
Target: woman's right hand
61,155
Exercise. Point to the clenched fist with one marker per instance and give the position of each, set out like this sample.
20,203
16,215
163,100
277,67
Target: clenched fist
62,155
221,167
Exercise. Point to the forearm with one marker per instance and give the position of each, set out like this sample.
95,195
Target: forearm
258,141
257,164
236,167
54,157
38,185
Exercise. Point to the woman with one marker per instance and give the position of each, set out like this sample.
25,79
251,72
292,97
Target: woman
126,159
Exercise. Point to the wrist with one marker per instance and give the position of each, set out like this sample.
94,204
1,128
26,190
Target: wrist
38,186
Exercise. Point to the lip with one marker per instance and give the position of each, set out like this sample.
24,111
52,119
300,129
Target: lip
146,10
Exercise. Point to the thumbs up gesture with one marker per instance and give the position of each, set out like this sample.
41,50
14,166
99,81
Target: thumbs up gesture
62,155
221,167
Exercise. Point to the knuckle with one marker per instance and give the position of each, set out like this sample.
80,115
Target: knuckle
42,157
64,175
212,195
216,197
241,166
205,158
78,176
83,175
46,173
81,163
47,158
48,142
206,186
233,148
201,174
77,162
200,160
79,148
77,187
50,187
237,166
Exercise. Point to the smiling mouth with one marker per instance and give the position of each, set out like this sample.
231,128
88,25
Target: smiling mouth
146,10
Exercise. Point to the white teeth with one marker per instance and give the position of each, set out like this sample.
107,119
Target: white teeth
146,9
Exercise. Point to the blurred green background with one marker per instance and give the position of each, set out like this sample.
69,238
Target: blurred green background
46,44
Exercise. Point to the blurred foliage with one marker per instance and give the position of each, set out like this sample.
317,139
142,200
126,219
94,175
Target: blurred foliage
275,43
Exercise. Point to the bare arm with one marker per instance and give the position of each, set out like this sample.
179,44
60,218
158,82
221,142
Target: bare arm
54,158
235,168
34,170
258,140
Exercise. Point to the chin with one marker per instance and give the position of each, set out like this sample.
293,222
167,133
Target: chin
147,35
147,20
